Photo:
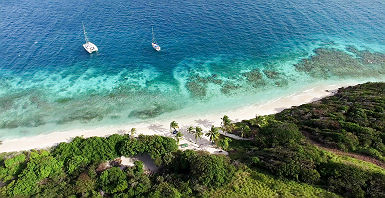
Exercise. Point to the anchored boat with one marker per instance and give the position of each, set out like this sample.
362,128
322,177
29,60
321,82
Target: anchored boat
88,46
154,43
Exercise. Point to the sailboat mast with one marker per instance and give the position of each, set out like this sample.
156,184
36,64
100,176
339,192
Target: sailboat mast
85,33
153,37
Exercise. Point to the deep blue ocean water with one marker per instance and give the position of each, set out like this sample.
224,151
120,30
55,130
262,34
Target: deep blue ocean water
209,51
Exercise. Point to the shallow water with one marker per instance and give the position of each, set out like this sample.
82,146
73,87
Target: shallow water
215,55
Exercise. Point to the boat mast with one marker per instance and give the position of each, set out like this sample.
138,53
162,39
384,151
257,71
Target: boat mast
153,37
85,33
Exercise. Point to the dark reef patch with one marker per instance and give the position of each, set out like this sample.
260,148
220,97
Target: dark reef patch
12,124
228,88
197,89
329,62
197,85
271,74
151,112
82,115
367,57
254,77
63,100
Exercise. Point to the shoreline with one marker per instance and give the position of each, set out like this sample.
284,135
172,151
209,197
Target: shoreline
161,127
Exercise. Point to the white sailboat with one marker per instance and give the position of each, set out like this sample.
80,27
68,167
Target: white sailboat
154,44
88,46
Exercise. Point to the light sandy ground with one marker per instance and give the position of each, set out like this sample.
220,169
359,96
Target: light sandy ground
148,163
162,127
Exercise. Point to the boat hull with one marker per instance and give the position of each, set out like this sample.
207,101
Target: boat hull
90,47
156,47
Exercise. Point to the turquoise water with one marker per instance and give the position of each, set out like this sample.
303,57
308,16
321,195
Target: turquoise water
216,55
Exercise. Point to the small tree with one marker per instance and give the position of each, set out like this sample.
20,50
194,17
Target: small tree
84,184
198,134
245,130
261,121
213,134
113,180
133,132
174,125
227,126
224,143
178,136
190,130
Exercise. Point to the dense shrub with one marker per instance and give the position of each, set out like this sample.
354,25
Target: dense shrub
278,134
345,179
351,120
296,162
156,146
40,166
211,170
84,184
12,167
131,147
165,189
113,180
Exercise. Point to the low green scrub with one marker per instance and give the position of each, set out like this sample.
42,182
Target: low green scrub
352,120
75,168
280,149
255,184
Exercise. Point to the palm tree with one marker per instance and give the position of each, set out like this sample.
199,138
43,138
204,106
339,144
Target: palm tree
178,136
133,131
198,134
261,121
190,130
224,143
213,134
227,126
245,130
174,125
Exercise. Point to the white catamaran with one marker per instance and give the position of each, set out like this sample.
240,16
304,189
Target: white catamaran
154,44
88,46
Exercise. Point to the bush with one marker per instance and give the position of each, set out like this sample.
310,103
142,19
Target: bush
113,180
158,147
165,189
131,147
211,170
13,166
278,134
84,184
40,166
346,180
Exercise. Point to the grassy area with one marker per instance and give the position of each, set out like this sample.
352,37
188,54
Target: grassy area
255,184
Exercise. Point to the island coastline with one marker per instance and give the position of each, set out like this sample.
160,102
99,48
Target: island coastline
161,127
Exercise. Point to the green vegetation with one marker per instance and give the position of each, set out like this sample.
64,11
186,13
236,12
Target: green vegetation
280,148
197,132
279,160
213,134
254,184
352,120
133,132
78,168
173,126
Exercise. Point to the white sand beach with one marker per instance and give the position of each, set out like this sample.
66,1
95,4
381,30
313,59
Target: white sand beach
161,127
